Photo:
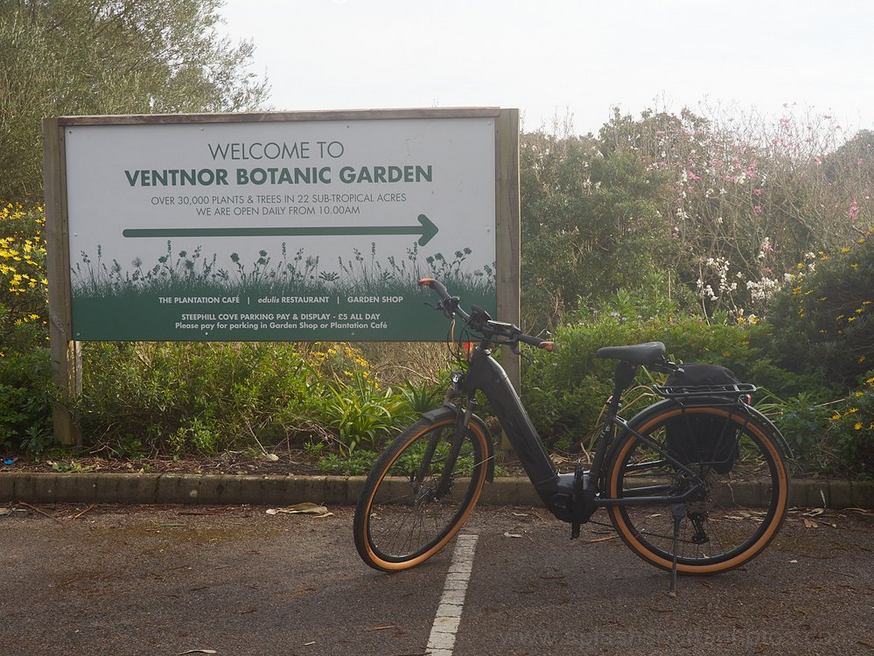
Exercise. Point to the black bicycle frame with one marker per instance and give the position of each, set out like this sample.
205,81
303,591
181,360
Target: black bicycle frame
559,491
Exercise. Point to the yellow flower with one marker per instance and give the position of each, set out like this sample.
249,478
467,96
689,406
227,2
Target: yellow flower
858,425
852,411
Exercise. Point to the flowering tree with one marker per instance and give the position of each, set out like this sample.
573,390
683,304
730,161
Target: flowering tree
752,199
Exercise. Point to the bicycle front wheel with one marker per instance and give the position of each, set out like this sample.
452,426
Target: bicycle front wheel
412,505
733,517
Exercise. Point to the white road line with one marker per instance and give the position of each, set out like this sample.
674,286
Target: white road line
448,617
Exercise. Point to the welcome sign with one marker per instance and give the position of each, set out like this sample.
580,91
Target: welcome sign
278,226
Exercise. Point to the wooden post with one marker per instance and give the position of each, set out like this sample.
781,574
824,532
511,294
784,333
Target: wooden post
507,206
66,353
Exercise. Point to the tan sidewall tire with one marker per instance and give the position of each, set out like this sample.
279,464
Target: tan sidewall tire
371,488
782,483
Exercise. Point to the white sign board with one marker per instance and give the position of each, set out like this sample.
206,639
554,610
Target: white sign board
277,229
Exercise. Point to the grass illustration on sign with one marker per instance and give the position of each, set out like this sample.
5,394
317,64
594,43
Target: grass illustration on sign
190,273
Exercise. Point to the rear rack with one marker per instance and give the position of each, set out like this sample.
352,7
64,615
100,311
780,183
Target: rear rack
681,391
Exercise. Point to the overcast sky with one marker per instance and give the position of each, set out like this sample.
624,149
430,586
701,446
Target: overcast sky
565,57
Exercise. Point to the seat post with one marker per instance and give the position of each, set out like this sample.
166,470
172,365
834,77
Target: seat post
624,376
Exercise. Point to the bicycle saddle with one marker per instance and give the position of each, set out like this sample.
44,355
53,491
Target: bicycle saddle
647,353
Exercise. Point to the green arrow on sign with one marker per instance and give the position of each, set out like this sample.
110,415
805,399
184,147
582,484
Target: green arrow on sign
426,231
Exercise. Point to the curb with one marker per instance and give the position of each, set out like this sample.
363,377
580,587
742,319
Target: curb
216,489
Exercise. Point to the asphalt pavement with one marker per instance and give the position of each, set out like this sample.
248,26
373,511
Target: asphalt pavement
248,580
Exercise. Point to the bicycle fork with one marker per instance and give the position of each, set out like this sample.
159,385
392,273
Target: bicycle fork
459,430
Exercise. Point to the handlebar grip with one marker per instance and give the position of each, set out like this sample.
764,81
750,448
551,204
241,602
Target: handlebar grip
544,344
436,285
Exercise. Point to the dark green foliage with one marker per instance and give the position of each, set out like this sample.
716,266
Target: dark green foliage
68,57
25,372
825,316
358,463
590,224
178,398
804,421
25,402
175,398
565,390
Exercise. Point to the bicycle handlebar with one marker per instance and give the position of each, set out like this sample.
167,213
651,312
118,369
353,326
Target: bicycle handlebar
480,321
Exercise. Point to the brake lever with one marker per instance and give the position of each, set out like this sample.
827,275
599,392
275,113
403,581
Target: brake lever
448,311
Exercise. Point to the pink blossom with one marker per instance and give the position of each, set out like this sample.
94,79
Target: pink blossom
757,209
817,161
854,208
757,192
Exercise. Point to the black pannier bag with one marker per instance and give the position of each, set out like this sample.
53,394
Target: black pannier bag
702,439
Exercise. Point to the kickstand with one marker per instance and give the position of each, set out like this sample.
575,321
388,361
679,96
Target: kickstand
678,510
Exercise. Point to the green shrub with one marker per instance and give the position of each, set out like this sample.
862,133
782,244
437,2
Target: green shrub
852,430
803,421
205,398
25,370
564,391
358,463
25,402
824,317
361,413
195,397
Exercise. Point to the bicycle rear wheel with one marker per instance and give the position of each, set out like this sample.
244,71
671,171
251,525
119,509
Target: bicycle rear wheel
411,506
729,522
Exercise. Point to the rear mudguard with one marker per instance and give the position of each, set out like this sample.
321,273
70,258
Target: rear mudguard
451,411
